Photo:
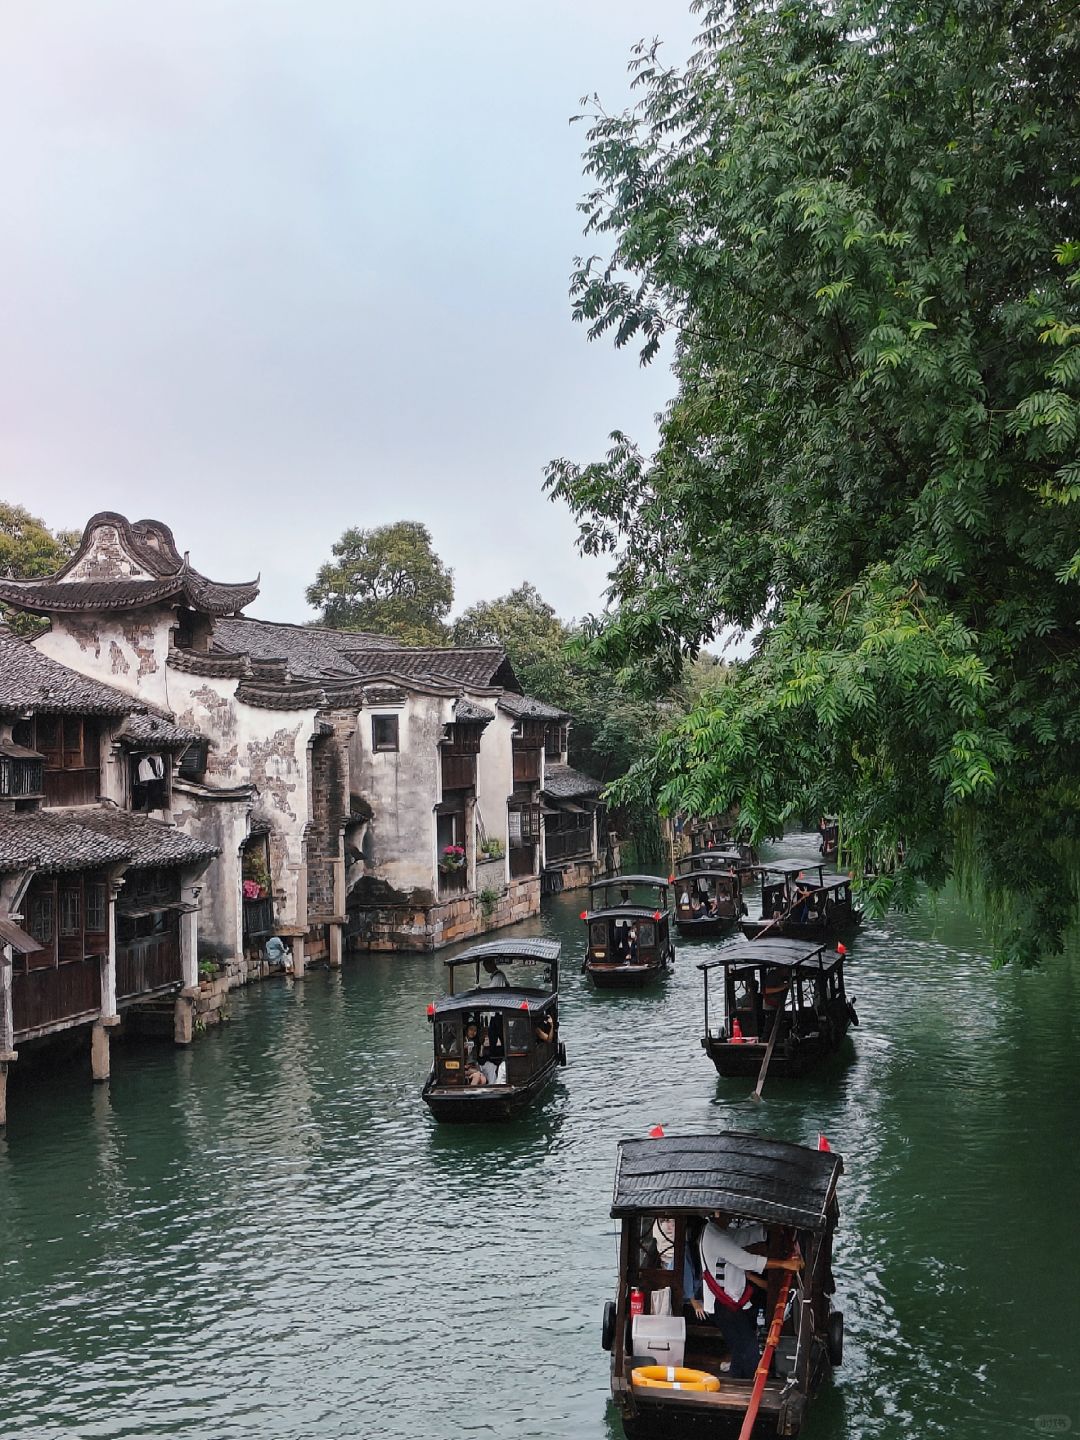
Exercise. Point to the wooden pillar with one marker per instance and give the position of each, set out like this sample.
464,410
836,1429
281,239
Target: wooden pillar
7,1023
184,1017
3,1093
99,1052
189,932
336,932
298,957
108,960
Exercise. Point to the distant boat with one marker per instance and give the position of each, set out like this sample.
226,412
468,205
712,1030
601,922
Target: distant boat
628,943
496,1044
801,900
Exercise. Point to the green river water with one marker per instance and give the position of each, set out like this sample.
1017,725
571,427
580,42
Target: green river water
267,1236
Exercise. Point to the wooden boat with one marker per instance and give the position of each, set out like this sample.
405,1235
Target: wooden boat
505,1030
791,983
679,1182
829,837
627,944
801,900
741,859
707,902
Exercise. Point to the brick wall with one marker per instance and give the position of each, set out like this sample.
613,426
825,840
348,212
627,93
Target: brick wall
431,927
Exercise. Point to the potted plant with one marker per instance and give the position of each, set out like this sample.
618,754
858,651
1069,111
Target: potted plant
492,849
256,877
452,859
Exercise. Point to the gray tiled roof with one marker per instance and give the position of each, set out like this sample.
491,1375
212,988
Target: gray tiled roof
566,783
147,729
321,654
30,680
466,711
150,544
527,707
90,837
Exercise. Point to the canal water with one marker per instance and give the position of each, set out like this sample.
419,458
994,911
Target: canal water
267,1236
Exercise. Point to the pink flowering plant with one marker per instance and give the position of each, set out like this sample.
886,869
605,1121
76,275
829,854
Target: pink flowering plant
254,891
452,857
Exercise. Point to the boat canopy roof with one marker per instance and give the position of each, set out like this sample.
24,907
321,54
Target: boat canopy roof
720,877
791,867
624,912
538,950
773,955
492,998
609,881
770,1181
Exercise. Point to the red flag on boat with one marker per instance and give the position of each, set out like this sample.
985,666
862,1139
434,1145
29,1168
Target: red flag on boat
656,1133
822,1143
841,949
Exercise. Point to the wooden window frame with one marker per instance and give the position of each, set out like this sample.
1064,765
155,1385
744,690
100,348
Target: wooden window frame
381,747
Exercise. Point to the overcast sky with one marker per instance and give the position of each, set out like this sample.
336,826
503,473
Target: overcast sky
273,269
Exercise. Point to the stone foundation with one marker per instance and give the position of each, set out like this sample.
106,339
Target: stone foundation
404,928
580,874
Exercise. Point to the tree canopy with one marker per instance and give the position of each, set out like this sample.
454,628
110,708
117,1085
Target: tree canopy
29,548
387,580
856,222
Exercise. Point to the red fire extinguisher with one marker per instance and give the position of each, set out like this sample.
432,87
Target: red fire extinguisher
637,1301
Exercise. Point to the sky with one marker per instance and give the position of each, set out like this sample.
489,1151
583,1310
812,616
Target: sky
276,269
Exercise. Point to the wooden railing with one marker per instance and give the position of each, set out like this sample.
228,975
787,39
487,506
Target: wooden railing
21,779
567,845
526,765
458,772
72,787
148,964
40,998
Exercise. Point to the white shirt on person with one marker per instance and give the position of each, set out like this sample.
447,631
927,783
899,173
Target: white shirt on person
723,1256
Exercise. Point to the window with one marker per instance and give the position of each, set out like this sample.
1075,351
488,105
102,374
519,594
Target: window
525,826
384,732
97,908
192,764
646,935
71,912
598,934
447,1038
42,918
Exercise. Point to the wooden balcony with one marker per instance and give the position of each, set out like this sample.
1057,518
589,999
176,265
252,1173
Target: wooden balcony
258,918
458,772
72,787
148,965
561,845
21,779
55,995
526,765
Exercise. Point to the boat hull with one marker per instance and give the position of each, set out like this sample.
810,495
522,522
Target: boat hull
714,925
624,977
813,930
482,1104
789,1061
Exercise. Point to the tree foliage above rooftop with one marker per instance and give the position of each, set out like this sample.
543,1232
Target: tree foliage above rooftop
387,580
857,223
28,548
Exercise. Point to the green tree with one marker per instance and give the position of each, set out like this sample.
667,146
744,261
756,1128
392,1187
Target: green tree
387,580
857,224
29,548
530,632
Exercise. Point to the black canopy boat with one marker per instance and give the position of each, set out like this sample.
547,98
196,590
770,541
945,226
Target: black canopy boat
802,900
828,837
628,942
496,1041
668,1376
791,983
707,902
741,858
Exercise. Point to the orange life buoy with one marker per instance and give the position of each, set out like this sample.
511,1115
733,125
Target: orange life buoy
673,1377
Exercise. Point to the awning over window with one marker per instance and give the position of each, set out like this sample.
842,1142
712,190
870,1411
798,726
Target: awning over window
19,940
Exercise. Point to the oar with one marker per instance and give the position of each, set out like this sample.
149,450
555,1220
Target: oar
780,1011
784,914
762,1372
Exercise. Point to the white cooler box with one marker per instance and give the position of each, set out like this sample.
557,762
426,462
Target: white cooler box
662,1337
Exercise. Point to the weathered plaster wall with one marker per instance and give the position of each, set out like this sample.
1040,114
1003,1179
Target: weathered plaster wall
399,927
125,650
495,781
402,788
223,823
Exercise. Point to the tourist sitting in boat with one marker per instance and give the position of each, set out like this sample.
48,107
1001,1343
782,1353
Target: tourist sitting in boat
498,980
544,1028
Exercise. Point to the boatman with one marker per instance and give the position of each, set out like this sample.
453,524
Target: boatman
733,1288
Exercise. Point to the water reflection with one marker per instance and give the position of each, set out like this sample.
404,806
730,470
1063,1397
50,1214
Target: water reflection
268,1236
